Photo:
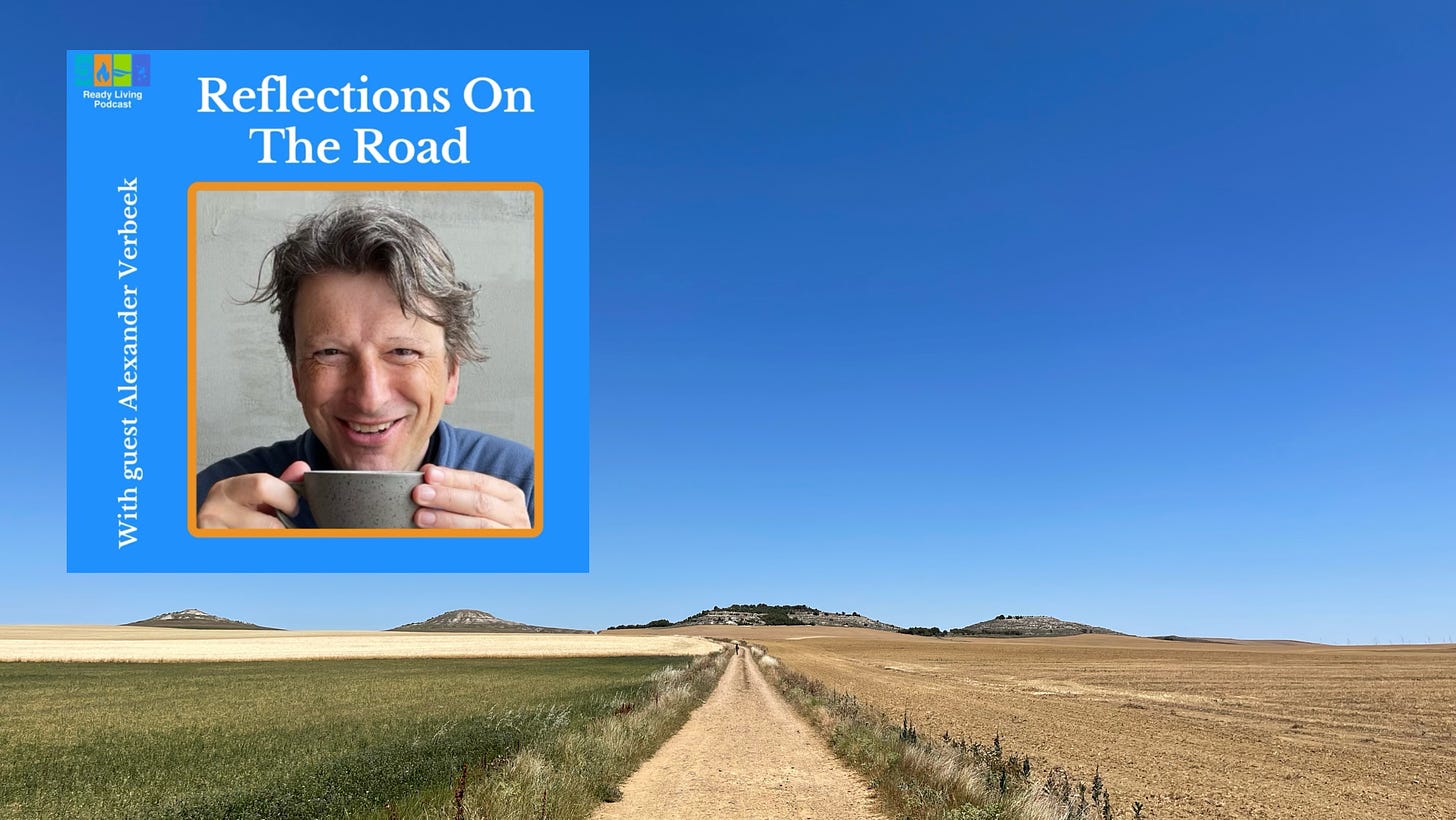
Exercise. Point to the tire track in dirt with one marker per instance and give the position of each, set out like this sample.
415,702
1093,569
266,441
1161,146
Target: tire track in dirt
745,755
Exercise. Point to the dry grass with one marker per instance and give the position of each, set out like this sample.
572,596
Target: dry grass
923,778
1190,730
137,643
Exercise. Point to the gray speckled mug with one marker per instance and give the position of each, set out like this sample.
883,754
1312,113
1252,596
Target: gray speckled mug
357,499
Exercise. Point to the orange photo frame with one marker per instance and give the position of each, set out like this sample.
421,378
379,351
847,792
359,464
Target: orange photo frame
539,343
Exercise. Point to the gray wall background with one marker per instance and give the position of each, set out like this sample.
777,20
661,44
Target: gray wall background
244,390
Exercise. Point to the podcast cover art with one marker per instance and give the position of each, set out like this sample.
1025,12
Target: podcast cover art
327,311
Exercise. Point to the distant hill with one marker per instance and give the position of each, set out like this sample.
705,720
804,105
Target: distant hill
195,619
1029,626
474,620
769,615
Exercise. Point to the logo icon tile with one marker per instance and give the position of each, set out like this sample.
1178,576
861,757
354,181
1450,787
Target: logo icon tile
101,69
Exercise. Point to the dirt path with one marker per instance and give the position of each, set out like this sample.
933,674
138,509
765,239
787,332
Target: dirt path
743,755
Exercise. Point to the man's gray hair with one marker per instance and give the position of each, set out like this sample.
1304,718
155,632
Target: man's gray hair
371,237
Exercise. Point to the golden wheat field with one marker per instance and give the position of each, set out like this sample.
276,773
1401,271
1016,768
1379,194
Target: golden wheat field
141,643
1255,729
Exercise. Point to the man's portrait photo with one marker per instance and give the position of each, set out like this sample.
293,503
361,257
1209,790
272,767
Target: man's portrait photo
387,331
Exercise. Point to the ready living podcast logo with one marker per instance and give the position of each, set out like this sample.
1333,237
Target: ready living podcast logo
114,70
112,80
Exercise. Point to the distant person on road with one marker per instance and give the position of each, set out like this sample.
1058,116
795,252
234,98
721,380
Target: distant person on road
375,327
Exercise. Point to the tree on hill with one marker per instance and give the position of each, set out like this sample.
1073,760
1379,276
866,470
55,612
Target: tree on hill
655,624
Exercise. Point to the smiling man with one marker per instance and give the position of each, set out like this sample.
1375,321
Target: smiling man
375,327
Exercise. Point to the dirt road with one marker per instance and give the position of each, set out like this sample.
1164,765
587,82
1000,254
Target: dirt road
743,755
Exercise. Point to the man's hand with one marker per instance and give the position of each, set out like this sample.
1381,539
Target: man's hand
250,501
462,499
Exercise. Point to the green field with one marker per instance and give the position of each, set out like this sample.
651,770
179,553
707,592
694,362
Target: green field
282,739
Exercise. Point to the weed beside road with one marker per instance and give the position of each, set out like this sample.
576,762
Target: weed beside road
567,773
942,778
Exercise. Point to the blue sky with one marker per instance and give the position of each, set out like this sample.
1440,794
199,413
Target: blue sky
1136,314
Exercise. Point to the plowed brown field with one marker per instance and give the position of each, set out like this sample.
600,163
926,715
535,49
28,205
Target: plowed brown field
1257,729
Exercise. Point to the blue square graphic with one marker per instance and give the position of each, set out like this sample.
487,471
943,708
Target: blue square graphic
170,370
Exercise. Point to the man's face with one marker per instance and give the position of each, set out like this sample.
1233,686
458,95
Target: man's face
371,380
